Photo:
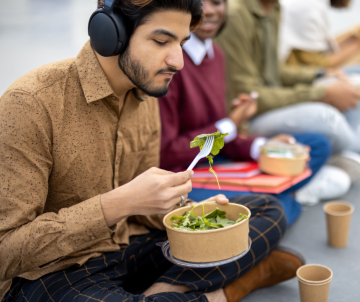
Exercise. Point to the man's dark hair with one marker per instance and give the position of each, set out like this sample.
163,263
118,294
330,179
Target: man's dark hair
136,11
340,3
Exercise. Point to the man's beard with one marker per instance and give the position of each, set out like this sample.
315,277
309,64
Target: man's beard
138,75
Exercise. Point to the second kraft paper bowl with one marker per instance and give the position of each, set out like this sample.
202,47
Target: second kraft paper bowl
209,245
282,159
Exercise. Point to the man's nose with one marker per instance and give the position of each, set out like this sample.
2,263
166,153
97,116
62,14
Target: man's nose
175,59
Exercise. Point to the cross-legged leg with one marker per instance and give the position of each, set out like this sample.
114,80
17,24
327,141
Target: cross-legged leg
267,226
308,117
121,276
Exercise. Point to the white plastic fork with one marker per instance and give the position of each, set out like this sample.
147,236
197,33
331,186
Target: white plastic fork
205,151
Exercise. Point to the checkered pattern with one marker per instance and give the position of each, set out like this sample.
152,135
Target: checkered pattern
119,276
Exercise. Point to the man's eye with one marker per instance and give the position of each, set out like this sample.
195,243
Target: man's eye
159,42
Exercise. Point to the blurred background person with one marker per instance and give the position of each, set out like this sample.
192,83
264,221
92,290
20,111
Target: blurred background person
196,104
288,101
305,37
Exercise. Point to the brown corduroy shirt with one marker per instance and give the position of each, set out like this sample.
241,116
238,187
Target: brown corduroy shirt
65,139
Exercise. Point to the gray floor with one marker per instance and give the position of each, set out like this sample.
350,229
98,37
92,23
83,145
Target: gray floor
36,32
308,236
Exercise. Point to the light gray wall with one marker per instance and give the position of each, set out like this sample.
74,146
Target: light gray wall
37,32
344,19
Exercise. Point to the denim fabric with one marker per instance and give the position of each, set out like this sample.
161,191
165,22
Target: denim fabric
342,129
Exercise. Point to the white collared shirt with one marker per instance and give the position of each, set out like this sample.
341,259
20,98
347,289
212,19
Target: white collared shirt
197,49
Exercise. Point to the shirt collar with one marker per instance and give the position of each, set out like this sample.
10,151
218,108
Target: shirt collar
93,80
197,50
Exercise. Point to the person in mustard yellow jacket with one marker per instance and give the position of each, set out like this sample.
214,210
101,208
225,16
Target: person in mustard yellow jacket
288,102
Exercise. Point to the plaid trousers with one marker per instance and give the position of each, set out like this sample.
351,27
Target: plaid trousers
121,276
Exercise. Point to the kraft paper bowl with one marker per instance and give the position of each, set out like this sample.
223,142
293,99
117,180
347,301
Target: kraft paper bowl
283,159
210,245
283,166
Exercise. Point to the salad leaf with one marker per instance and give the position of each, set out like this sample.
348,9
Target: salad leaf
242,217
199,141
211,221
215,213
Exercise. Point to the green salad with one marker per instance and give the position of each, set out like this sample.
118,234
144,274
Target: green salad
213,220
199,141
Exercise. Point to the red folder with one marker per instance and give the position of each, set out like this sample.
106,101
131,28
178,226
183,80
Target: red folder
260,183
229,170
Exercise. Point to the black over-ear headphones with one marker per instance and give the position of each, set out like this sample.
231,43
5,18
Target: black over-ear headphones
108,31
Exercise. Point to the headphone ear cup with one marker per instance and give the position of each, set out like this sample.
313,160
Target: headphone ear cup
123,31
108,33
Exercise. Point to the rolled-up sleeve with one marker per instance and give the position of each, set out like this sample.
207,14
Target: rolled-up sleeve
244,76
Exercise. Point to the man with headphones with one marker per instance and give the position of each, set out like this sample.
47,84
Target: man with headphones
81,201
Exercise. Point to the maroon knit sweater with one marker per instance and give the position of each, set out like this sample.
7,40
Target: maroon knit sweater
195,101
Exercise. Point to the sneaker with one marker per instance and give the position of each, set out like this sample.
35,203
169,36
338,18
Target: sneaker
329,183
349,162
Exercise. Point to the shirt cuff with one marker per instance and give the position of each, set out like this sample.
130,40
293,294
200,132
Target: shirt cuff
86,223
255,147
226,125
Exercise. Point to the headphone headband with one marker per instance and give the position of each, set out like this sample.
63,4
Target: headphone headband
108,31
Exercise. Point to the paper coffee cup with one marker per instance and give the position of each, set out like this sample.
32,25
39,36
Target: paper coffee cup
314,282
338,216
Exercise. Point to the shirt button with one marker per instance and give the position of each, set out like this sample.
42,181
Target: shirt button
93,238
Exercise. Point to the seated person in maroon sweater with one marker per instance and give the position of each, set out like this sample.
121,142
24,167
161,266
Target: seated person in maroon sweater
195,104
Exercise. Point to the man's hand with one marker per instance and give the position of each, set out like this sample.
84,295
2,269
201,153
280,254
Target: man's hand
342,96
244,107
219,199
154,192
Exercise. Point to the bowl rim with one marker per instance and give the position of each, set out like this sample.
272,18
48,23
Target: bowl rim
300,158
338,202
207,231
